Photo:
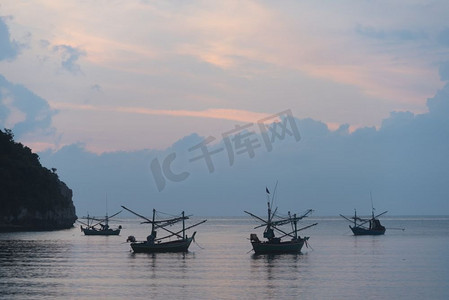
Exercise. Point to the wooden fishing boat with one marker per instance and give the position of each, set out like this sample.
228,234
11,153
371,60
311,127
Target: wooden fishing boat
102,231
153,244
99,226
366,226
181,245
273,244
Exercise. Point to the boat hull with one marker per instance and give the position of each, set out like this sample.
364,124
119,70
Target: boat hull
101,232
278,248
364,231
173,246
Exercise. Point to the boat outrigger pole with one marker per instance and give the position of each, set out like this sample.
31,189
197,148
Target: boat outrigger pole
158,239
163,223
153,223
311,225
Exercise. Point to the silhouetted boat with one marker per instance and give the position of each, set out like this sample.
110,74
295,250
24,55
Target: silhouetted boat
275,244
154,244
366,226
99,226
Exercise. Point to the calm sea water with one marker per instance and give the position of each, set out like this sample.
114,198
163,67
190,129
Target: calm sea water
410,264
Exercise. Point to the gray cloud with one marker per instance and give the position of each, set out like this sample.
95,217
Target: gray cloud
443,37
36,111
44,43
8,48
96,88
394,35
439,105
70,57
444,71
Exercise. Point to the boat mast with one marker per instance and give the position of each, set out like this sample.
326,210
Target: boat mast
268,233
355,217
291,221
106,226
296,226
269,214
371,223
183,227
152,223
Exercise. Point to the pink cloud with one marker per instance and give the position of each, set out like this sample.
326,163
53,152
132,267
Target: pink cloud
213,113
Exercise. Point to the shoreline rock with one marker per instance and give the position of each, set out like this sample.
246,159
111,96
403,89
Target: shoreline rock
56,218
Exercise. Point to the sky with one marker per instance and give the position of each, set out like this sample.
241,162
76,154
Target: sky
98,86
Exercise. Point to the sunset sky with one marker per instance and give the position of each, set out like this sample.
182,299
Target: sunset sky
127,75
101,89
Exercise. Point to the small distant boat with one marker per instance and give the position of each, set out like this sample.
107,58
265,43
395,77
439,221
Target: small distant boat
366,226
99,226
273,244
153,244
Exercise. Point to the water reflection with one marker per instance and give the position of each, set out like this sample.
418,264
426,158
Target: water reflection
278,273
36,267
67,265
164,255
270,263
272,257
369,244
159,265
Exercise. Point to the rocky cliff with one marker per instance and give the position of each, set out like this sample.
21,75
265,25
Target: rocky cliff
31,196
